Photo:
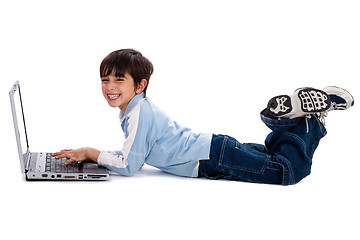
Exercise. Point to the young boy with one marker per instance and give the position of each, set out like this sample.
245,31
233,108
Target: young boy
297,122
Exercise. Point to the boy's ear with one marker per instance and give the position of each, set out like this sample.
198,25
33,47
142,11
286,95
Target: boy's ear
141,86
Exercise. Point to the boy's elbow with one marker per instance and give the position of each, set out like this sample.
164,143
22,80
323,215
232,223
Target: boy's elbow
133,170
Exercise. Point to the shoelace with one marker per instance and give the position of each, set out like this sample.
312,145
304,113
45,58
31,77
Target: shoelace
324,114
308,116
321,116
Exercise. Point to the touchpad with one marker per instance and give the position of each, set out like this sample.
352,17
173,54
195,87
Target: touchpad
93,168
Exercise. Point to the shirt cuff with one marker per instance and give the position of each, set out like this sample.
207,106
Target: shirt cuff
112,158
101,157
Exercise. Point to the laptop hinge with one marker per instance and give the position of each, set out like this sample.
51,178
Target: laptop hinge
27,161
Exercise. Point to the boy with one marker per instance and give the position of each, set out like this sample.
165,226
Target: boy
297,122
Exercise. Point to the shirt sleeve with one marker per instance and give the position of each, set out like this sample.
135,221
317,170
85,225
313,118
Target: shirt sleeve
116,162
135,149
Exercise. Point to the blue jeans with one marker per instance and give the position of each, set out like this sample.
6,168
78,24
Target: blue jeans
285,158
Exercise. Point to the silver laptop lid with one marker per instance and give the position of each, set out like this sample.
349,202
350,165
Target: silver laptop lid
19,125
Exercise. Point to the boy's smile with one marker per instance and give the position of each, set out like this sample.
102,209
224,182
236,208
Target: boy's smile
113,96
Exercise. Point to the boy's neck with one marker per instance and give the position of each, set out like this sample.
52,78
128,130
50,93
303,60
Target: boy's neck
131,104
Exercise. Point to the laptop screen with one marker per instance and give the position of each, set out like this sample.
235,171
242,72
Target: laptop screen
19,124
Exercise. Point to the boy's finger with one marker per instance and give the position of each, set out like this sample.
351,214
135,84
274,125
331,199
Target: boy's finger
63,155
69,161
61,152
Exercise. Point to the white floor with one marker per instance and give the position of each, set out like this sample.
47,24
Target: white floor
159,205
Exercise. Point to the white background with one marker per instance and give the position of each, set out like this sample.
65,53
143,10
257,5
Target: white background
217,63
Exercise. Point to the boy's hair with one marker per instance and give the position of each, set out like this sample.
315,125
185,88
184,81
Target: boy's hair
127,61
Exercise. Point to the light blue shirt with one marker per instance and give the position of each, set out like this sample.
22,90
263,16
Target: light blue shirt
151,137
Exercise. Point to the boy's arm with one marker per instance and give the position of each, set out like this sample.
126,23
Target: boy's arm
113,160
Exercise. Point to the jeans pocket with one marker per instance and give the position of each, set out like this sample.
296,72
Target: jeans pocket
244,157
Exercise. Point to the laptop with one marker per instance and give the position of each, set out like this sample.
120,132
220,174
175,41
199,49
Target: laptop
41,165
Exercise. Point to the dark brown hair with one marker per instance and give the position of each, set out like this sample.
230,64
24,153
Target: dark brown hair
127,61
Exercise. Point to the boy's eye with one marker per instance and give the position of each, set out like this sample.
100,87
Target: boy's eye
107,80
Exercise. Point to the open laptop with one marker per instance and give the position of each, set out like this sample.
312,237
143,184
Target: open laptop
41,165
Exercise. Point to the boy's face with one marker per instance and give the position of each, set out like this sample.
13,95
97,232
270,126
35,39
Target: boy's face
118,91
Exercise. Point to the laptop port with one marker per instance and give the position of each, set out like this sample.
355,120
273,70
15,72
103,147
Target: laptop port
80,176
69,176
58,176
96,176
44,175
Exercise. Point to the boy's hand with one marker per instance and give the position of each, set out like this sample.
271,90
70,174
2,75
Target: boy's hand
78,155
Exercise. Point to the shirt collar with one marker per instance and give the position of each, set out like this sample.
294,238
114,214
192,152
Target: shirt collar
131,105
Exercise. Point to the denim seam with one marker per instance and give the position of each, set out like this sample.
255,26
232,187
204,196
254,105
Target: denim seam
291,173
276,163
280,123
297,137
284,182
223,149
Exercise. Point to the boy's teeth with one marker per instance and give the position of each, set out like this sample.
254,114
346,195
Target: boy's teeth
113,96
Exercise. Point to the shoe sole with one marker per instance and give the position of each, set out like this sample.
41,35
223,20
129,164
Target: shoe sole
313,100
309,100
280,105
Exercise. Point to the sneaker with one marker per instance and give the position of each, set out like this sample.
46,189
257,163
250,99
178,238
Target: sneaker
340,98
303,102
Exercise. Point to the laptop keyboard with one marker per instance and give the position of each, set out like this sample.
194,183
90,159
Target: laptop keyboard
58,166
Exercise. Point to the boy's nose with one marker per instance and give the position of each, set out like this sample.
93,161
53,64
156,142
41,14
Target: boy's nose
111,86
